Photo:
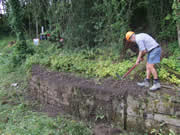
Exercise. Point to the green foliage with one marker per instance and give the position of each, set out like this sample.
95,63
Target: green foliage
156,14
92,62
15,20
165,75
176,10
15,16
4,40
25,122
168,23
98,62
6,54
9,56
16,115
170,67
110,21
42,54
94,23
161,132
173,49
80,27
173,64
108,68
18,119
168,30
4,27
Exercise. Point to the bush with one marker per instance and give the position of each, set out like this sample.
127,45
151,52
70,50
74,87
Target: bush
92,62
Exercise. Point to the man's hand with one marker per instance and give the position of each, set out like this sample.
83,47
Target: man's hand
140,56
139,60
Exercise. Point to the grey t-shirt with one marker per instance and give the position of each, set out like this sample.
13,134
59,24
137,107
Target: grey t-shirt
145,42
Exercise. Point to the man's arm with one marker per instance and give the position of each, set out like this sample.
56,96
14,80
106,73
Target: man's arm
140,56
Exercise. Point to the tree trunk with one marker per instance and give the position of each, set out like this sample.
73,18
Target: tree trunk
3,5
29,25
37,28
177,12
178,32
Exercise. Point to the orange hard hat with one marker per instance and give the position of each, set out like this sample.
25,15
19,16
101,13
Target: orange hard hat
129,34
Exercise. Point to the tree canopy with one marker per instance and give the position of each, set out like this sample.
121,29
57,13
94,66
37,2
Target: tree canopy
87,23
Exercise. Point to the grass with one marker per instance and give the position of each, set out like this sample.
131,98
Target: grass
5,40
16,115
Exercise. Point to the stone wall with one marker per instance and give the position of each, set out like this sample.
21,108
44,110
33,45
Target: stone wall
88,100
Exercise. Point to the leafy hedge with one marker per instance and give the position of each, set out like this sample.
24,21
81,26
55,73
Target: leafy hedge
92,63
99,62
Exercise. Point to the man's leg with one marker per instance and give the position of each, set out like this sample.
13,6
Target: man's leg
152,70
156,84
146,81
148,71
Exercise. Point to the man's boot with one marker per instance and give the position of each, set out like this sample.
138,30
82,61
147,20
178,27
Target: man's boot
145,83
156,85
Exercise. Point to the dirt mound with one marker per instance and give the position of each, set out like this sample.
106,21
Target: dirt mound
109,84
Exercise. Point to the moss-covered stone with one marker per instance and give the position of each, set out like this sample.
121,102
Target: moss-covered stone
99,103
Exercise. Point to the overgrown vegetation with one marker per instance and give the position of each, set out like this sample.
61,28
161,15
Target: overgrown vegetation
15,21
93,23
16,115
93,33
97,62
